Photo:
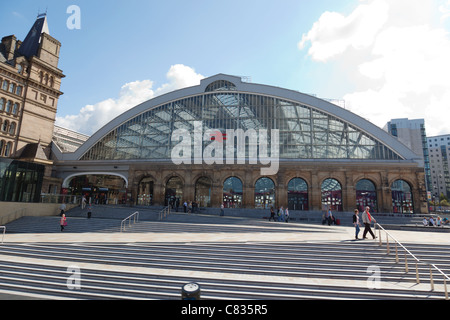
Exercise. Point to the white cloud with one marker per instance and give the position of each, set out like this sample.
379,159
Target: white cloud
92,117
334,33
401,70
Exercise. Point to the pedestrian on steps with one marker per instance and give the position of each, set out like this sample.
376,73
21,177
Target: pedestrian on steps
63,222
89,211
272,213
356,223
367,220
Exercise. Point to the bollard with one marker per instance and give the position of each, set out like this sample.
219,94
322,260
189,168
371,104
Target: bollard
190,291
406,263
387,244
396,253
445,288
431,279
417,274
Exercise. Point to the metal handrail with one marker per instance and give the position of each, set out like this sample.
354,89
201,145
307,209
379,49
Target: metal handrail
164,213
135,217
430,265
4,231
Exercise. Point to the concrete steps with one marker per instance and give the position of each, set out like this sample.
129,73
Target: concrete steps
224,271
267,270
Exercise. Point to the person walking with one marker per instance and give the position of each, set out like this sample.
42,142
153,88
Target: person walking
281,214
367,220
89,211
272,213
286,215
356,223
329,217
63,221
62,208
222,210
83,203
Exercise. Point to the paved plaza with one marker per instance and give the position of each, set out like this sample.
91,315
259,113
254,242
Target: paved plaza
228,255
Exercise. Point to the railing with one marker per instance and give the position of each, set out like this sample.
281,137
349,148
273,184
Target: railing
164,213
417,260
59,198
133,217
4,230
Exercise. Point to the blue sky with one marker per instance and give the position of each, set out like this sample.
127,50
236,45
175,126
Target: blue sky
365,52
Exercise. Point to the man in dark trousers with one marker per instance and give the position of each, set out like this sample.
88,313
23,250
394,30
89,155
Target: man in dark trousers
367,220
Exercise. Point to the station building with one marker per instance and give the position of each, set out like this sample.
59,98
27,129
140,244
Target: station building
297,151
30,83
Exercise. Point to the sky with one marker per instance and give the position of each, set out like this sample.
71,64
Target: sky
386,59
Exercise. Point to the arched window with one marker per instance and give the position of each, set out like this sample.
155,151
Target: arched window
5,85
366,195
2,104
402,199
298,195
2,146
264,193
12,128
15,109
203,188
8,106
52,82
8,149
232,193
332,195
174,191
5,126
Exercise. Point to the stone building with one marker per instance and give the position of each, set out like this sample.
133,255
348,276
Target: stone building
245,145
30,84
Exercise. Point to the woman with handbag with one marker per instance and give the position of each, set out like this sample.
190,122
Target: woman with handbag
63,222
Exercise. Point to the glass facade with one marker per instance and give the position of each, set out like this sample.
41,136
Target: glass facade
305,132
174,191
366,195
232,193
264,193
402,200
332,195
203,189
298,195
20,181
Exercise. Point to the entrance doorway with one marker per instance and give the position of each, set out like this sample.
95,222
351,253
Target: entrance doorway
174,191
99,188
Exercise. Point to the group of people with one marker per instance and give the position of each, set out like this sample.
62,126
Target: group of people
329,218
367,220
439,222
282,214
188,207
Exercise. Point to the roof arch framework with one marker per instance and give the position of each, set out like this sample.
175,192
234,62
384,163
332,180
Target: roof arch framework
309,128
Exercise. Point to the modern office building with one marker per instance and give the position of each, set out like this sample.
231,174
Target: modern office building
226,141
412,133
439,147
30,84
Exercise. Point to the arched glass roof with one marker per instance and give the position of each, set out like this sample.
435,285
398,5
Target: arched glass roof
309,128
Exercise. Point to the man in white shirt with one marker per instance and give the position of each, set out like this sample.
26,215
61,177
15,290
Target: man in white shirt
367,220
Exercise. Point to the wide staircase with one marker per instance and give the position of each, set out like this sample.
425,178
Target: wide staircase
268,269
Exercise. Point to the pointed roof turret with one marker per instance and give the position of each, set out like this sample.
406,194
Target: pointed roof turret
30,45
